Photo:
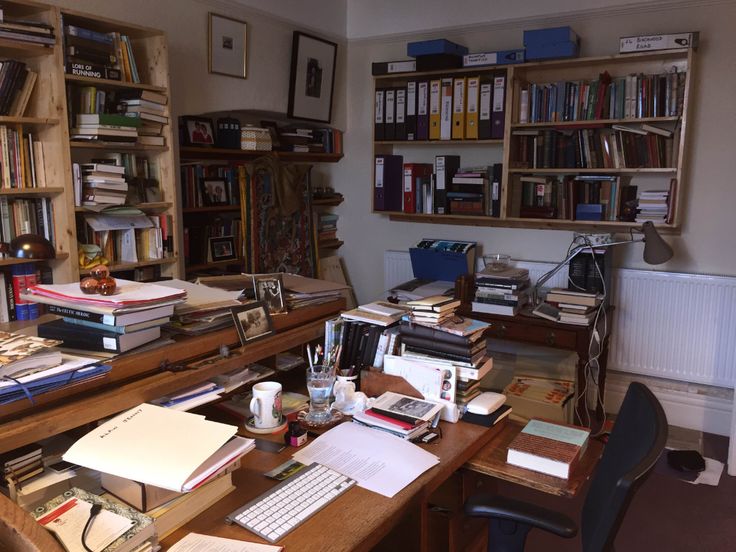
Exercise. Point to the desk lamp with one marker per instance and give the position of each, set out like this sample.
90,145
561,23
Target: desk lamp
656,251
29,246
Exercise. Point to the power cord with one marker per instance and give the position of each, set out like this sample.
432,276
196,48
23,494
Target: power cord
96,508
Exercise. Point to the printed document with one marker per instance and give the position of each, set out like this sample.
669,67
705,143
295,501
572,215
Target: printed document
194,542
378,461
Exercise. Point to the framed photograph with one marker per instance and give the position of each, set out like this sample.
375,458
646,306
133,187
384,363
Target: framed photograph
197,131
252,321
227,46
268,289
222,249
312,78
214,191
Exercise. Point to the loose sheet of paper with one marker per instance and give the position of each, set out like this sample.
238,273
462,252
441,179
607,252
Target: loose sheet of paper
194,542
378,461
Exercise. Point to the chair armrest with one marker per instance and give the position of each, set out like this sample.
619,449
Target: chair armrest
501,507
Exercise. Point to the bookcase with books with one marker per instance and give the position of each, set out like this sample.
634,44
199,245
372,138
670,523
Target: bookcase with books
587,144
117,106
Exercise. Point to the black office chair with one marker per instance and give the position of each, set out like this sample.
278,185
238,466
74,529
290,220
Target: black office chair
637,440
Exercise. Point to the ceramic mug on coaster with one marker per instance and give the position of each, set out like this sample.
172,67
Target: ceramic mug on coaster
266,405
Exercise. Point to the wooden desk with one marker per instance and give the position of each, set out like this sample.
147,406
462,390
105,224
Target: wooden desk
491,460
539,331
141,377
359,519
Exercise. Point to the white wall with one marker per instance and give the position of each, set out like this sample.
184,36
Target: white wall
705,245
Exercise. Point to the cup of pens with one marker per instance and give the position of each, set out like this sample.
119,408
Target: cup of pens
320,378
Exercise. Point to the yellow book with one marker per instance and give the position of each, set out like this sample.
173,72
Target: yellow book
471,108
435,87
458,108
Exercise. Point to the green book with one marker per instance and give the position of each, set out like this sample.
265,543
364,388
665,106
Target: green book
113,119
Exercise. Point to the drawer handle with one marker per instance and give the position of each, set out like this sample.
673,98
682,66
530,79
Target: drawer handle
550,338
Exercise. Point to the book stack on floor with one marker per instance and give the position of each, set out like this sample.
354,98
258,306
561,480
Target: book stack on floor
365,336
105,127
23,30
120,528
548,448
132,317
101,184
149,108
576,307
458,345
501,292
400,415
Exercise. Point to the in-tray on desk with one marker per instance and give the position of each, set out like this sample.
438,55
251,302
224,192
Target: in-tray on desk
357,520
539,331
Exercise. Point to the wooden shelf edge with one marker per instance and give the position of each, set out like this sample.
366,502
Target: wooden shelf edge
594,171
192,153
118,267
28,47
10,261
41,121
590,122
494,141
202,266
328,201
37,192
123,146
533,224
213,209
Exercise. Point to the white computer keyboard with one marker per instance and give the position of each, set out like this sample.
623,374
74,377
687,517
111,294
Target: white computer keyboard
286,506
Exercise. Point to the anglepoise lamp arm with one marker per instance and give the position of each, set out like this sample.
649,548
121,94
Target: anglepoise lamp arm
656,251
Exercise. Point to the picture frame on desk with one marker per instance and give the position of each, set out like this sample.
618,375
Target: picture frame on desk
312,80
252,321
227,46
268,288
196,131
214,192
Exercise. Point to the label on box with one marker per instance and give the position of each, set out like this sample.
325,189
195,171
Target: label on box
484,58
402,66
657,42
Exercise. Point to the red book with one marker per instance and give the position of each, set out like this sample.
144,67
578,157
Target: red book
397,423
412,172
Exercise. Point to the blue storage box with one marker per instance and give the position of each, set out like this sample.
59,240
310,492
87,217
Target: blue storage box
436,46
442,259
552,51
554,35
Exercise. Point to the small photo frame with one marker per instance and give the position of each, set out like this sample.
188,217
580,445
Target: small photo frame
228,39
214,192
198,131
252,321
268,289
222,249
312,78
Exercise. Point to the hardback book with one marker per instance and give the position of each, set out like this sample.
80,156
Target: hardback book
407,409
130,328
458,325
508,310
468,349
488,420
558,295
436,303
89,339
546,447
437,332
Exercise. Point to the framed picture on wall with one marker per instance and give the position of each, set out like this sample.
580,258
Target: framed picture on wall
227,46
312,78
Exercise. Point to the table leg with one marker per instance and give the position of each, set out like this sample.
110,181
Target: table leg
424,526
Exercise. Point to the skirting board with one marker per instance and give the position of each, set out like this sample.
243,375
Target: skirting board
698,411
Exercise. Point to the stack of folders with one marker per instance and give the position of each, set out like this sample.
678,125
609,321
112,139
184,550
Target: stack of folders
206,308
501,292
400,415
458,345
132,317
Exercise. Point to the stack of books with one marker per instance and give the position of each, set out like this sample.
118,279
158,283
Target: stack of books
435,309
21,464
106,127
501,292
24,165
132,317
23,30
301,140
206,308
103,184
576,307
327,228
399,415
653,206
458,345
99,55
16,85
469,192
540,397
150,109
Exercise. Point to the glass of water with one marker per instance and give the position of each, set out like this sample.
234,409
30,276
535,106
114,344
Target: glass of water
319,383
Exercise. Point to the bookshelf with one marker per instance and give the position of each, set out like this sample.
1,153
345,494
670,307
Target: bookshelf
653,161
198,218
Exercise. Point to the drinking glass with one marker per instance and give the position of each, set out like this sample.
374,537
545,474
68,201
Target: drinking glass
319,384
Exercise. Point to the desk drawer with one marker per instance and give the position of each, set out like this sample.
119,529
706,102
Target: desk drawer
552,337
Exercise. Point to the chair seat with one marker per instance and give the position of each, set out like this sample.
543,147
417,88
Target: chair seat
501,507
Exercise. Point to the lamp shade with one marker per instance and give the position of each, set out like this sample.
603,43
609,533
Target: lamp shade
656,250
31,246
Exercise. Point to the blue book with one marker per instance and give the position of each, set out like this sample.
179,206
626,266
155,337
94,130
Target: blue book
433,47
118,329
589,211
81,32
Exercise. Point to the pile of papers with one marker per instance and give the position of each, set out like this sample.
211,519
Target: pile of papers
400,415
300,291
22,355
206,308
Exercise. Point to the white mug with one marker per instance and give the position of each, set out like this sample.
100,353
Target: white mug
266,405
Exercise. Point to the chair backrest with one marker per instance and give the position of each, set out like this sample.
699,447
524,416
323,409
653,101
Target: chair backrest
638,437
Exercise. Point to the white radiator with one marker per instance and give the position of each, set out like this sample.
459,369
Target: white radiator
666,324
